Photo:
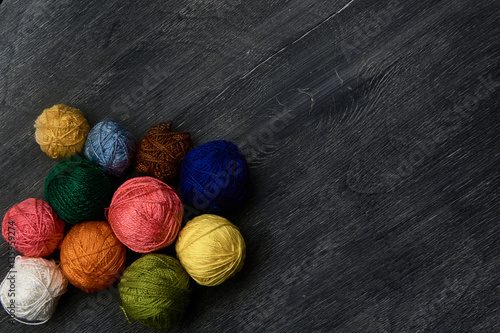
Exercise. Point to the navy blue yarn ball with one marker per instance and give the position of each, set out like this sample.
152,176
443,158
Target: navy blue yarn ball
214,176
111,147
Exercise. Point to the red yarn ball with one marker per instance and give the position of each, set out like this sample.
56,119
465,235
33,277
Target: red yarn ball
145,214
33,228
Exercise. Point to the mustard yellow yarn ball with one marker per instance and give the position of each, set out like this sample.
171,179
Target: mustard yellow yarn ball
61,131
211,249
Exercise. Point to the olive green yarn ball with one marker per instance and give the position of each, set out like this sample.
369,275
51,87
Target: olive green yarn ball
155,290
77,190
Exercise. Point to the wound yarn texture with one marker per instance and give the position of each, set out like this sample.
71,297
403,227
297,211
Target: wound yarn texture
111,147
161,151
37,285
61,131
92,258
77,190
214,176
211,249
155,291
145,214
33,228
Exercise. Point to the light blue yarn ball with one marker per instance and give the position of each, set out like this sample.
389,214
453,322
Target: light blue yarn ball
111,147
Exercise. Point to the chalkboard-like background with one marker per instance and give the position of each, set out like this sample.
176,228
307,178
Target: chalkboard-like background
371,130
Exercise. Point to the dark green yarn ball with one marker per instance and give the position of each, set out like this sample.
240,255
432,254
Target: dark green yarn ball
77,190
155,290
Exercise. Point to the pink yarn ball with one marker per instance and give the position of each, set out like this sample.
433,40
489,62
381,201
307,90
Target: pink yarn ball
145,214
33,228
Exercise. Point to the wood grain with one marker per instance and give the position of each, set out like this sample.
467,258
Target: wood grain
371,129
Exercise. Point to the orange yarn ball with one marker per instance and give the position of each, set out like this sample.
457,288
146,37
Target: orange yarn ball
92,258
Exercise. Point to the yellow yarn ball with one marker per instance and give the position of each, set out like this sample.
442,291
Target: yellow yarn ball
61,131
211,249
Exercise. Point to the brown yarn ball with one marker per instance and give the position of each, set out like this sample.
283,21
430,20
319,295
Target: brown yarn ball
161,151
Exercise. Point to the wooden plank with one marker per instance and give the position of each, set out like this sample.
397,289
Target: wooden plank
371,130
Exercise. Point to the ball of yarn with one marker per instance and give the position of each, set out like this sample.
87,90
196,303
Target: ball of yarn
31,289
145,214
92,258
61,131
77,190
111,147
214,176
161,150
211,249
33,228
155,291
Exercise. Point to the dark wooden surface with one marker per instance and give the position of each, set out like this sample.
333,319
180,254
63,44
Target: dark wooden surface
371,130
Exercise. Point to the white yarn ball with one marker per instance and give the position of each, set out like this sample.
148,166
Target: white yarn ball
31,289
